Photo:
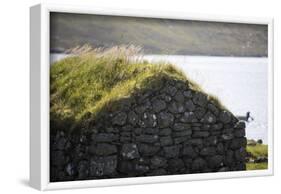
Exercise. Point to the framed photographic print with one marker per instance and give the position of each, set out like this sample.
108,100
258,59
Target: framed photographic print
124,97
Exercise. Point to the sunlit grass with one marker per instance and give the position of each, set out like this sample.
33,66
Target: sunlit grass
256,166
93,79
259,150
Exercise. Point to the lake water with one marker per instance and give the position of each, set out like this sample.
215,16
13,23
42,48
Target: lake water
239,82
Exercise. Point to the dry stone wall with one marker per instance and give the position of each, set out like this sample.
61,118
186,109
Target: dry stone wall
166,130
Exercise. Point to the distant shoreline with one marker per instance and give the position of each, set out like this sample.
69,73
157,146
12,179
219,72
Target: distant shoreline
64,51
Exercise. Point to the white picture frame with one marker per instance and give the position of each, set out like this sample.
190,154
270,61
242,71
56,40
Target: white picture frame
39,96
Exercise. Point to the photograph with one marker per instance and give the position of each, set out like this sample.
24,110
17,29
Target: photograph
142,96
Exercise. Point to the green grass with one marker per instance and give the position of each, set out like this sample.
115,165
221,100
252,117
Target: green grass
259,150
90,82
256,166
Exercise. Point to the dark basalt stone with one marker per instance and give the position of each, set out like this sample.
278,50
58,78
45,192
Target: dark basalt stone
157,172
238,143
70,169
174,165
158,105
147,138
209,118
83,169
189,105
175,107
100,166
148,150
228,136
215,161
133,118
171,90
188,117
143,107
239,132
187,94
220,148
171,151
102,149
217,126
182,133
197,134
179,140
165,119
119,119
211,141
165,141
198,164
168,129
181,127
208,151
189,151
240,154
58,158
130,151
225,117
165,132
148,120
200,99
179,97
126,167
194,142
213,109
104,137
199,112
240,125
158,162
151,131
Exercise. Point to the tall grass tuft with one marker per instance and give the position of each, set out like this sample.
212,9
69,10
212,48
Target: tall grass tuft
93,78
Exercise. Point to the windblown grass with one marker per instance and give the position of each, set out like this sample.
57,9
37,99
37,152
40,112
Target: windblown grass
256,166
256,151
259,150
94,78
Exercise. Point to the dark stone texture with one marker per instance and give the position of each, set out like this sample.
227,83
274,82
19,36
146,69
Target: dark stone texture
147,138
102,149
165,119
164,130
181,127
208,151
209,118
189,105
100,166
225,117
200,99
104,137
171,151
188,117
130,151
158,162
189,151
165,141
133,118
198,164
148,150
215,161
158,105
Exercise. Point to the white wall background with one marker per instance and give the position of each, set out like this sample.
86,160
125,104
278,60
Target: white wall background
14,94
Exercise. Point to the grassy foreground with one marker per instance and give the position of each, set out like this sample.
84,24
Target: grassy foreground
256,151
88,82
256,166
